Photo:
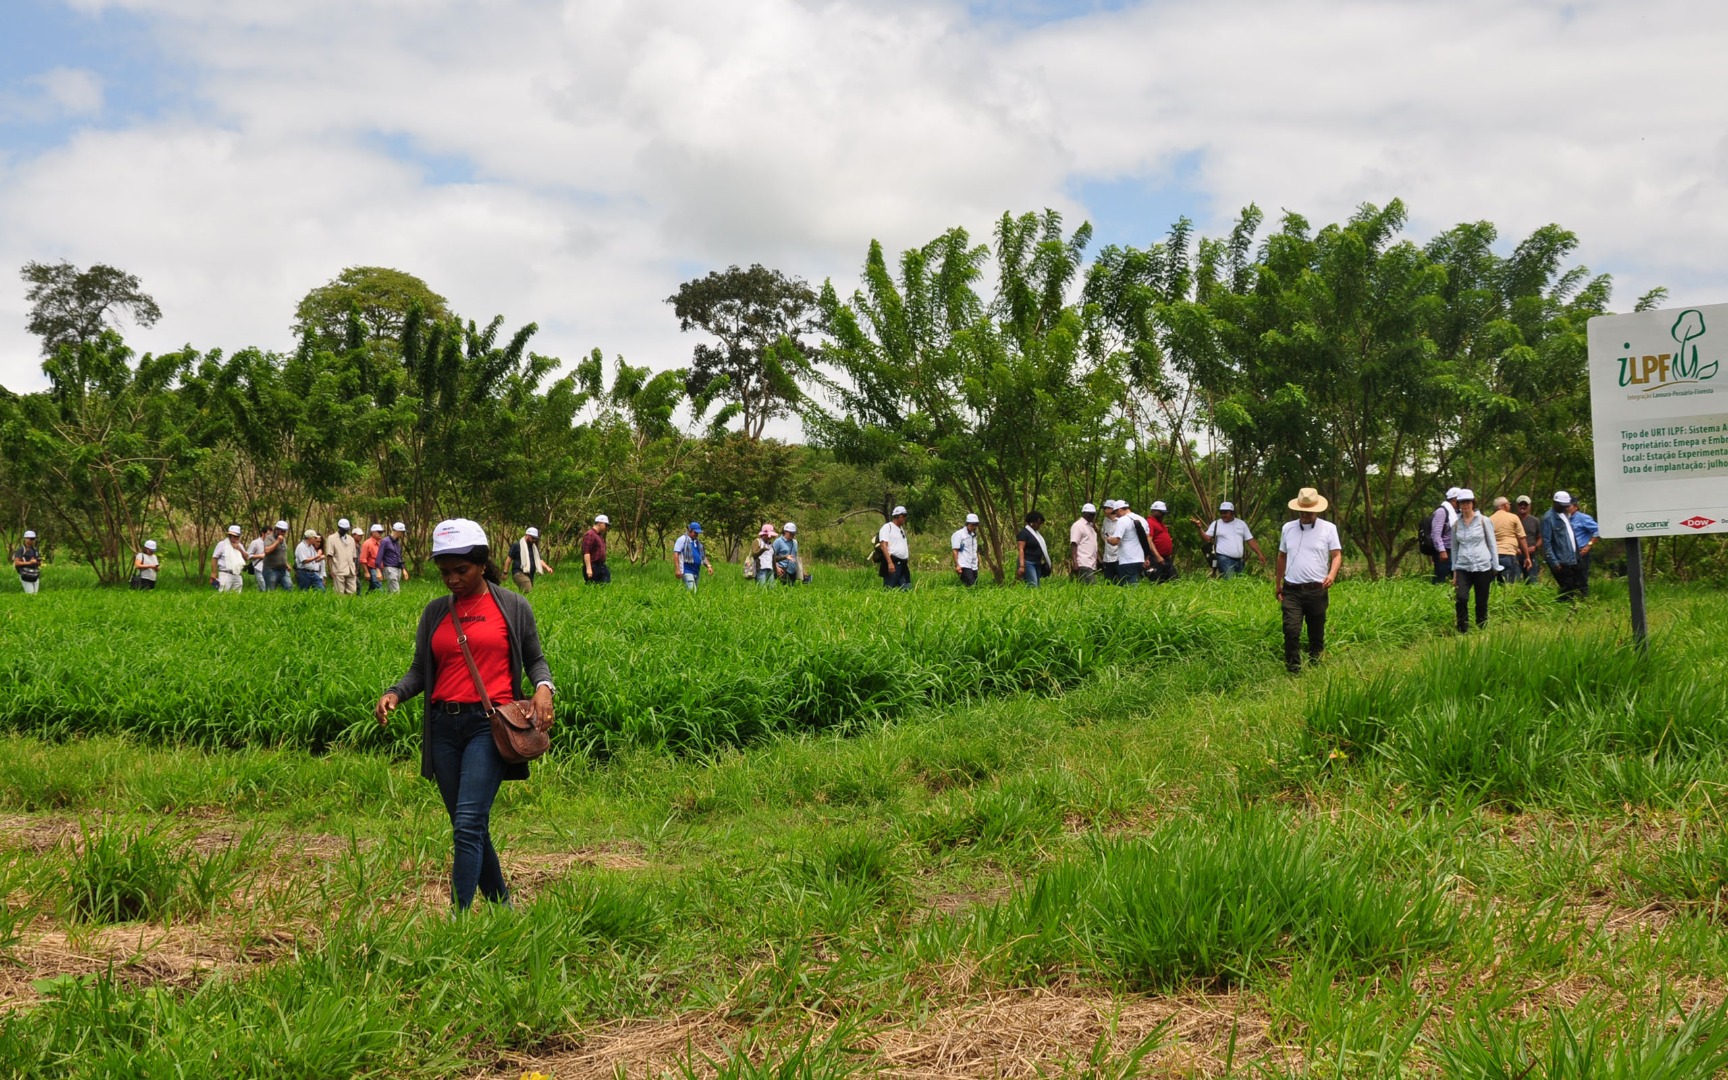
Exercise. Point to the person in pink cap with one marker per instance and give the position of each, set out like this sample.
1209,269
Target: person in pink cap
761,562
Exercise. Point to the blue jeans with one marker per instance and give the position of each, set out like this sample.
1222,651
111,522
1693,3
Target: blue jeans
692,578
901,578
1031,575
374,579
1442,568
276,578
466,764
1229,567
308,581
1510,571
1130,573
764,578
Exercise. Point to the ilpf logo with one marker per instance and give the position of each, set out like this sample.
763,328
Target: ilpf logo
1698,521
1653,371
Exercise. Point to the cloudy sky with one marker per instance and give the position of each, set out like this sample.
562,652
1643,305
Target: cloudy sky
570,162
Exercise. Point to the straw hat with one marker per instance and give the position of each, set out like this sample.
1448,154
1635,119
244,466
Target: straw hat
1309,501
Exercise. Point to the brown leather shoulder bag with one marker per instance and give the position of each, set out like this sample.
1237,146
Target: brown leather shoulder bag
519,738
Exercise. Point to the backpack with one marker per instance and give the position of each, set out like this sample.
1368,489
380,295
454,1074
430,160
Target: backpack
1425,536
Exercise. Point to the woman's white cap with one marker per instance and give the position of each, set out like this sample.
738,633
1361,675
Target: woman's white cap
399,527
791,526
343,524
149,545
971,519
532,531
233,530
602,519
457,536
1466,493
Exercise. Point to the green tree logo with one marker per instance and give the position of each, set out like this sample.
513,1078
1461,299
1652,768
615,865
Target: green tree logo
1687,329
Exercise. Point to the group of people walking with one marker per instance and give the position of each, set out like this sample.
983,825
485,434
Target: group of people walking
316,563
1472,550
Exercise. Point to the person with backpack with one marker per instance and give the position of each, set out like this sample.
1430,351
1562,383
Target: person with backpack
893,552
1034,554
1475,560
27,560
1128,535
689,557
145,565
1438,536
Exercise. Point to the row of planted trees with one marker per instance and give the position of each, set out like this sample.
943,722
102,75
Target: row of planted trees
1244,367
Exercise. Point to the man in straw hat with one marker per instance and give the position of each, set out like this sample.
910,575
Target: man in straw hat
1309,555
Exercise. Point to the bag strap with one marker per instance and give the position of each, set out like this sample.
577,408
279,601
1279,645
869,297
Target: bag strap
473,668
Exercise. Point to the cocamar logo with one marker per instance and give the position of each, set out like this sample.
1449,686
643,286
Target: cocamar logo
1657,370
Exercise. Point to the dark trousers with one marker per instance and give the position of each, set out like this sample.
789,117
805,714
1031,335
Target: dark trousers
1568,578
1442,568
1129,573
602,574
968,576
1304,603
900,577
1584,575
1464,582
1162,571
466,764
1107,570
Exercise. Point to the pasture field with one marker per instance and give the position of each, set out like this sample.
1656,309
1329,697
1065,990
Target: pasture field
834,832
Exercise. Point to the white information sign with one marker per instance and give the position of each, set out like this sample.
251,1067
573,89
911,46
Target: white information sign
1659,408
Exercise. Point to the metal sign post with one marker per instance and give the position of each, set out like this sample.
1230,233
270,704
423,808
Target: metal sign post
1659,413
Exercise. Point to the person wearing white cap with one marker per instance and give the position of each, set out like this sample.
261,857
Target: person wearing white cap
1083,545
1163,546
526,564
1230,538
369,558
27,560
275,561
1560,545
1309,556
390,559
1127,534
309,562
1475,560
1109,566
788,564
1439,536
895,552
964,545
228,562
594,568
342,560
145,565
457,749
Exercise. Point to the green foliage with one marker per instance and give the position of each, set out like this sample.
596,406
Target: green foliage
70,307
368,302
1681,1045
760,318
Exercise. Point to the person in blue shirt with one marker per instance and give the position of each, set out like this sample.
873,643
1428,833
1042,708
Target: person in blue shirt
689,557
1560,545
1584,533
788,567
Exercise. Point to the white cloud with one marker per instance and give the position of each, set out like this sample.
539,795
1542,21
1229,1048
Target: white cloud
53,95
618,147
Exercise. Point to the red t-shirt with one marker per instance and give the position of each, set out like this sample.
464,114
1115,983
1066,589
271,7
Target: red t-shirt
488,640
1162,542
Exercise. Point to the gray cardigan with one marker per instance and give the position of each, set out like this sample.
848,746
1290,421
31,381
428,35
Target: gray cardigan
422,675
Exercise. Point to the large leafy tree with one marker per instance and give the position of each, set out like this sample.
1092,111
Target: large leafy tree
73,307
759,363
365,304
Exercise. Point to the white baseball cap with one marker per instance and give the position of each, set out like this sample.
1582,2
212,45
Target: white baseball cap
1452,492
457,536
602,519
309,534
1160,506
149,545
1226,505
1466,493
1564,498
532,531
1121,504
971,519
398,527
1088,508
343,524
283,525
29,534
898,510
790,526
377,527
233,530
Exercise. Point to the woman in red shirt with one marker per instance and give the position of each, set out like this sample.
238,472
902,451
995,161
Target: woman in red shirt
456,747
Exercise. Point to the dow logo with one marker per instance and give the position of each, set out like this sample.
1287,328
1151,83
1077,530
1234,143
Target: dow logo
1698,522
1654,370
